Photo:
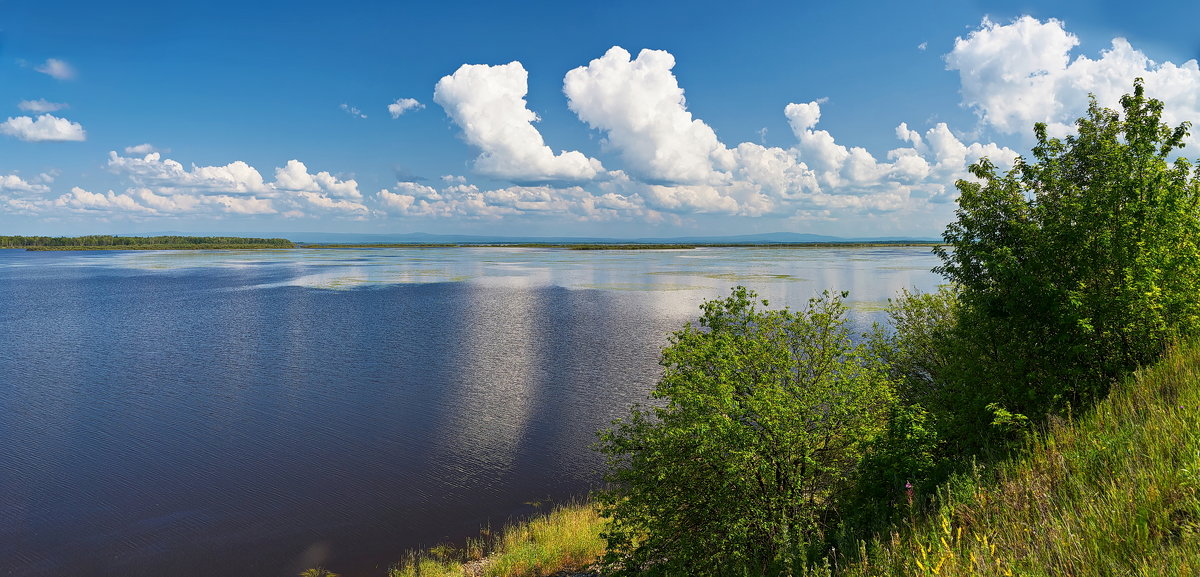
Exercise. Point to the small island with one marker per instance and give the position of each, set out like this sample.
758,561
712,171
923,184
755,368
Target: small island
110,242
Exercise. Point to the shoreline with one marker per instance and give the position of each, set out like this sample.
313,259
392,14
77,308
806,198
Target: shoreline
559,246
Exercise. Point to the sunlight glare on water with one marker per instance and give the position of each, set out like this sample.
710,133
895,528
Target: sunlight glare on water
250,412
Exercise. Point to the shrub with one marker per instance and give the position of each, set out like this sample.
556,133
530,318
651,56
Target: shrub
762,418
1077,267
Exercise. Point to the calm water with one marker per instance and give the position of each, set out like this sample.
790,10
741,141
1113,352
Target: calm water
258,412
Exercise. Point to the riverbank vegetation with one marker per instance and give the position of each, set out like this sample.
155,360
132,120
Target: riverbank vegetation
762,417
109,242
778,448
566,538
1112,491
1038,416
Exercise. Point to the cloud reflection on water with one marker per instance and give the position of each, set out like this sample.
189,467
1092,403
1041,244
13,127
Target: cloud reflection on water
787,276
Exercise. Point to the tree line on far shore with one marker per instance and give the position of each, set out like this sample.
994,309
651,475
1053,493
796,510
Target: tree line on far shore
104,241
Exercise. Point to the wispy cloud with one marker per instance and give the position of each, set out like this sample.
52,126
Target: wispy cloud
402,105
141,149
41,105
57,68
352,110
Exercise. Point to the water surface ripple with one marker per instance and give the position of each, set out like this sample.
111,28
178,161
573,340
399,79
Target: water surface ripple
258,412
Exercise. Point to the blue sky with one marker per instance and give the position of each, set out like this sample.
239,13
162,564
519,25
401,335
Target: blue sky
555,118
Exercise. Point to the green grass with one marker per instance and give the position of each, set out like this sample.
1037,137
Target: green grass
1114,492
566,538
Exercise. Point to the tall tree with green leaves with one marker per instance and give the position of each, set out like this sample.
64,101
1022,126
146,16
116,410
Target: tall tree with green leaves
762,418
1077,267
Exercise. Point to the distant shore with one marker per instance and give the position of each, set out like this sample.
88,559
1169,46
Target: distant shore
110,242
91,243
629,246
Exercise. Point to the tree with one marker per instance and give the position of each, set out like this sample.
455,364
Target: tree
1077,267
761,419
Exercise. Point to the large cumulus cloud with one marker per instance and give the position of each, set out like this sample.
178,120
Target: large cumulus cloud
670,162
640,106
488,103
1023,72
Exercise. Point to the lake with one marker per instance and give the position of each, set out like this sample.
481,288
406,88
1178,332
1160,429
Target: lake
258,412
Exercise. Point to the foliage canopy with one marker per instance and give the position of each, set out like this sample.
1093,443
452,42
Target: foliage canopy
772,429
1077,267
764,415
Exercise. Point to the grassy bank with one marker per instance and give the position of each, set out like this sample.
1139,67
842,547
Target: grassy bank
1113,492
566,538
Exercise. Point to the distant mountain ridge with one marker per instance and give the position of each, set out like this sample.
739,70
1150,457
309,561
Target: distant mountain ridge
428,238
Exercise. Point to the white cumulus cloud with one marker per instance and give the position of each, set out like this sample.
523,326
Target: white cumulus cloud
80,199
14,183
927,168
402,105
639,104
166,186
675,164
46,127
488,104
243,205
295,177
20,196
307,201
1014,75
169,176
469,201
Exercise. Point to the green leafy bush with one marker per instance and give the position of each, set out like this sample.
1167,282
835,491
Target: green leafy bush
763,418
1076,268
